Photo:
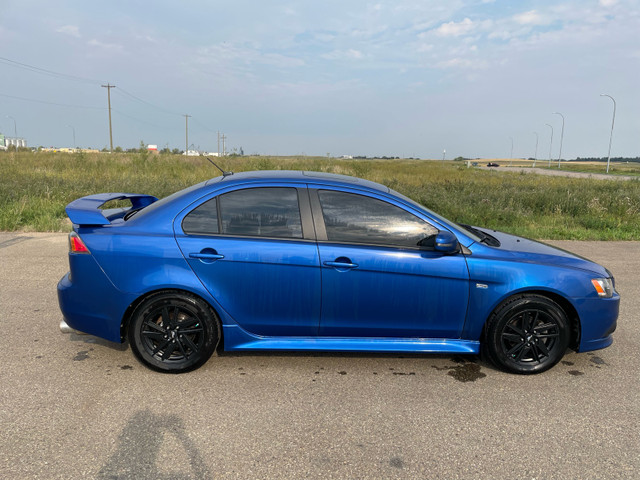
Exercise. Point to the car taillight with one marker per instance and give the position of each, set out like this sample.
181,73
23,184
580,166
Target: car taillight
76,245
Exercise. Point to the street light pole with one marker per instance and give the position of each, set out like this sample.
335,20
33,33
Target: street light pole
612,122
15,130
186,134
74,135
561,137
511,156
550,143
535,155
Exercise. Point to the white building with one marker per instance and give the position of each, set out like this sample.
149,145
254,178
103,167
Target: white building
8,141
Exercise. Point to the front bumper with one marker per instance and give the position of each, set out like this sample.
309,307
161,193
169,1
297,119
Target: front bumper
598,321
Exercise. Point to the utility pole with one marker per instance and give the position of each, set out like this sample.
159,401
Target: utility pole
535,155
109,87
186,134
224,137
218,142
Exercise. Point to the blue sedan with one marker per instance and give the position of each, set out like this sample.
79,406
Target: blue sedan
299,261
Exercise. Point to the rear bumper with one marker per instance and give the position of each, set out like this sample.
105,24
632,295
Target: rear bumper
94,307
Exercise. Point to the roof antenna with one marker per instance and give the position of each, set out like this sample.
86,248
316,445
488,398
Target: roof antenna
224,174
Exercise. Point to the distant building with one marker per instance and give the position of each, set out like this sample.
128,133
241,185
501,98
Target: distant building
347,157
6,142
152,148
192,153
18,142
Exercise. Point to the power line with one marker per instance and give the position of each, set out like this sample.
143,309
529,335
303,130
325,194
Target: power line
50,103
139,120
203,126
44,71
131,95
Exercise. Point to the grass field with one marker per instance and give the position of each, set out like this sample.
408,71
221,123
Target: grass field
34,189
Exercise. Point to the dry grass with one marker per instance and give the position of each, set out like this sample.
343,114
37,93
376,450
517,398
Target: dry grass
34,189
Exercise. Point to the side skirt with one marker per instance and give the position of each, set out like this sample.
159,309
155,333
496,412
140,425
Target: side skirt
237,339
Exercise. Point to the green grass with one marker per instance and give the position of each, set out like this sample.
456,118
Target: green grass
34,189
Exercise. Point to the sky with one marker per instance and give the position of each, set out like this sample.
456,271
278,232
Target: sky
417,78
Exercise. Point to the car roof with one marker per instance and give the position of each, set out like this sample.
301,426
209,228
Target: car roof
298,176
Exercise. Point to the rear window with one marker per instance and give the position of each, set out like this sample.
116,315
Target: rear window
254,212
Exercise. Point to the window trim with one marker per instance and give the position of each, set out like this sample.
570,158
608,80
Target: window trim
321,230
304,208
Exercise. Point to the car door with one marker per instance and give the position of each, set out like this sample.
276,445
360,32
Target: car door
376,280
257,256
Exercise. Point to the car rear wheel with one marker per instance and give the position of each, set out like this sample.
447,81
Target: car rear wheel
527,334
173,332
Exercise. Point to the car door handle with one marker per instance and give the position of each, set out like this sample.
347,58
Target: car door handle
206,256
340,264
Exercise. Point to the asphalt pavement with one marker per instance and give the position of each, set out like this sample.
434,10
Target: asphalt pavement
74,406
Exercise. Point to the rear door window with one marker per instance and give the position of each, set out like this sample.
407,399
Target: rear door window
261,212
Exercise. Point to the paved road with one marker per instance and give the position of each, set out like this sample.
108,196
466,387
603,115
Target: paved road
562,173
72,406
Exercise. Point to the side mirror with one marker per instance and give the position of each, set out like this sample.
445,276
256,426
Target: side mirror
446,242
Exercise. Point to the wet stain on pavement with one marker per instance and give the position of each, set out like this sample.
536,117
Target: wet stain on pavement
597,360
403,373
464,372
575,373
396,462
82,355
126,367
567,363
342,372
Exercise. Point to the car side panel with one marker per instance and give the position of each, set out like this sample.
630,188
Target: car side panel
269,286
495,278
393,293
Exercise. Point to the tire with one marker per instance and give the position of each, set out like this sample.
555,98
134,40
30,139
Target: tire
173,332
527,334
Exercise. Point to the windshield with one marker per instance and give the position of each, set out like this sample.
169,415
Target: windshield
440,218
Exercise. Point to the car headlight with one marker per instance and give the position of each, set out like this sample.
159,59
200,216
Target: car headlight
604,286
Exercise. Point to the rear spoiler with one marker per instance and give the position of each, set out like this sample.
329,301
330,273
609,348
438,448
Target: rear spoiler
86,210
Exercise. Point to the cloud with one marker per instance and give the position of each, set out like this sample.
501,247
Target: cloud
72,30
530,18
608,3
105,46
463,63
278,60
349,54
453,29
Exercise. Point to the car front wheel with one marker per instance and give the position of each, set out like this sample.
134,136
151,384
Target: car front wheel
527,334
173,332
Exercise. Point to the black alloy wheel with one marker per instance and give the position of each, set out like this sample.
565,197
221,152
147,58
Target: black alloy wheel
527,334
173,332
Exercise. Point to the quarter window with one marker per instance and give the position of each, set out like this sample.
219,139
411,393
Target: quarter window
203,220
352,218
